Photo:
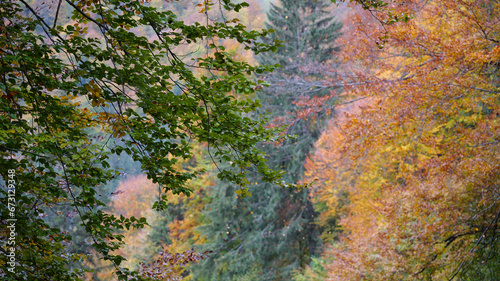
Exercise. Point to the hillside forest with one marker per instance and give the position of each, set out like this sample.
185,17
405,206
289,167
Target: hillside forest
269,140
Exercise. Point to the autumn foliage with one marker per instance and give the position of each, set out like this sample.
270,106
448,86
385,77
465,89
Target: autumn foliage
134,198
163,268
409,172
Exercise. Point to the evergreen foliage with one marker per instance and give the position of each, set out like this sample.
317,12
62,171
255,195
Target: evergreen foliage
307,32
272,233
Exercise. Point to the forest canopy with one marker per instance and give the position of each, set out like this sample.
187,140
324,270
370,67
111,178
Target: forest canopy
408,171
81,84
168,140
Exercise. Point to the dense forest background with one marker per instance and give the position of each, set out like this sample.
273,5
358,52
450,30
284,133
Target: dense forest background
271,234
393,116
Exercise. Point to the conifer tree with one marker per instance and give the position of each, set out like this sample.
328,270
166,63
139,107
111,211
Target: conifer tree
270,234
307,32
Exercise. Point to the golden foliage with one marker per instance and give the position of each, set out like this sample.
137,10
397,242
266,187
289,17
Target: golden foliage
411,175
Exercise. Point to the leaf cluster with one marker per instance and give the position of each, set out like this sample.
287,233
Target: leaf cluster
75,92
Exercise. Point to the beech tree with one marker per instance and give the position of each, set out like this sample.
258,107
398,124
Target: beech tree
76,91
410,172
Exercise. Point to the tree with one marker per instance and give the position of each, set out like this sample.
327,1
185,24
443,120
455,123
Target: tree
308,32
77,91
410,172
271,234
177,229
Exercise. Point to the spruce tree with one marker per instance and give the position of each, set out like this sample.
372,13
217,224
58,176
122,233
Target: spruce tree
270,234
307,32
